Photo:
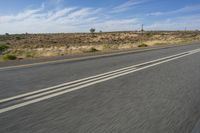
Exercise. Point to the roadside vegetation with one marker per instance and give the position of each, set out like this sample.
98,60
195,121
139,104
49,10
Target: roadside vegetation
45,45
143,45
9,57
3,47
3,55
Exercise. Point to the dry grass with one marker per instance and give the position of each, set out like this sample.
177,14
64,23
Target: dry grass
42,45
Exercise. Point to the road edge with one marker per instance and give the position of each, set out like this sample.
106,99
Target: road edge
94,56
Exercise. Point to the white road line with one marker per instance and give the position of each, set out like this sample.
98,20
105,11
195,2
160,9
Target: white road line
87,81
91,83
76,81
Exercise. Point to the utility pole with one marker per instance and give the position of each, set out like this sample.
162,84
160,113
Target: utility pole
142,28
142,32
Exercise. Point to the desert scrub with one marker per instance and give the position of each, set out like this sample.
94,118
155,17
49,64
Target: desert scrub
106,46
9,57
3,47
18,38
143,45
29,55
91,50
160,43
111,46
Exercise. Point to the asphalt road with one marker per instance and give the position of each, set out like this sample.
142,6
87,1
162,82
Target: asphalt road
161,96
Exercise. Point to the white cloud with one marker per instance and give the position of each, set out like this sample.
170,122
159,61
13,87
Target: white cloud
190,22
68,19
127,5
181,10
56,3
155,14
75,19
119,25
60,13
21,16
82,13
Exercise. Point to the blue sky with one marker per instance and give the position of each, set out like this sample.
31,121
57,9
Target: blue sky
45,16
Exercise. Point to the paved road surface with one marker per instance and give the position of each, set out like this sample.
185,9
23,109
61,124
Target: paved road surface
159,96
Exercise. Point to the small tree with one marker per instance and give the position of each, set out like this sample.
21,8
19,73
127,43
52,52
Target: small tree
7,34
92,30
3,48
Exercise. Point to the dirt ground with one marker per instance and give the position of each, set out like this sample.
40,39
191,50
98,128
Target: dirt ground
45,45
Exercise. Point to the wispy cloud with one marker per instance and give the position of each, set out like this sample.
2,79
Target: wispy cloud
20,16
57,3
119,24
53,15
191,22
68,19
127,5
80,19
82,13
181,10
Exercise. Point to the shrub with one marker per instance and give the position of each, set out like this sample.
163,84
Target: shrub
91,50
29,56
18,38
143,45
107,46
9,57
149,34
3,47
92,30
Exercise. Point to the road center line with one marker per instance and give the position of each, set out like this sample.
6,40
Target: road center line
94,81
84,79
74,85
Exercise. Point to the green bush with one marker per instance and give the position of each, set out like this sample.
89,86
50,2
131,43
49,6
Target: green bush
3,47
9,57
143,45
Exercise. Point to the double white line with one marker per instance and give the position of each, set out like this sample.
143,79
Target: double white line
43,94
